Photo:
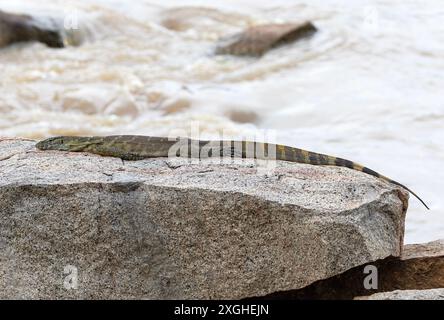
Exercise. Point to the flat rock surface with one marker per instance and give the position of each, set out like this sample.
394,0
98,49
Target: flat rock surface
75,225
424,250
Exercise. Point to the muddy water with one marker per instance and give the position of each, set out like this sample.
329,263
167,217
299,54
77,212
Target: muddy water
367,87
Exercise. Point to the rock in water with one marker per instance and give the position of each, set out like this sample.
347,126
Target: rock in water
22,28
75,225
257,40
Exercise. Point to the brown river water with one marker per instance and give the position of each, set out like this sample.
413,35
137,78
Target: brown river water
367,87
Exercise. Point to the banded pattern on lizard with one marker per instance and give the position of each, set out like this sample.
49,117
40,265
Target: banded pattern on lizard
132,147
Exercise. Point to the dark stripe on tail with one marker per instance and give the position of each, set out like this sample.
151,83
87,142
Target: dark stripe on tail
323,159
345,163
298,155
375,174
314,159
371,172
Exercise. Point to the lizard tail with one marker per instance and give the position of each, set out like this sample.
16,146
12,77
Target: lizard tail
303,156
414,194
378,175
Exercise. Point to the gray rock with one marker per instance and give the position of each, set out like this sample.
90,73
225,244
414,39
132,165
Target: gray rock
431,294
175,228
23,28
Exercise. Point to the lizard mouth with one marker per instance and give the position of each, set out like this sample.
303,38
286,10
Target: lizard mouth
40,145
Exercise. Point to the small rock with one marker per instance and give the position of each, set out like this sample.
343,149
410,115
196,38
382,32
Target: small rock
257,40
242,116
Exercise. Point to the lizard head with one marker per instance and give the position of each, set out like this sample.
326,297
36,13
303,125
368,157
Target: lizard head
66,143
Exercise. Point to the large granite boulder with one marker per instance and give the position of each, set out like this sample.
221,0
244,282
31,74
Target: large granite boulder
23,28
75,225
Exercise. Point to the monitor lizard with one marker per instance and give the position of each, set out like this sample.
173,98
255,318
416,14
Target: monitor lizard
132,147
